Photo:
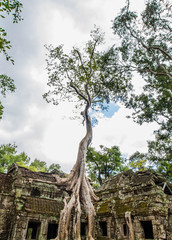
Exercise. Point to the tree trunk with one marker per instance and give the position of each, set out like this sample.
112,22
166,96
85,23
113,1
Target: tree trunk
82,192
130,225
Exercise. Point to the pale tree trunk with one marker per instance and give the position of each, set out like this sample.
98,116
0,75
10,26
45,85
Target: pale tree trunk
130,225
82,192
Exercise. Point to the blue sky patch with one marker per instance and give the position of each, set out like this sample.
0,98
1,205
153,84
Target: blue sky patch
112,108
108,112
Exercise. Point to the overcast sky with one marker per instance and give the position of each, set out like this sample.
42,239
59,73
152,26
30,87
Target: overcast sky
44,131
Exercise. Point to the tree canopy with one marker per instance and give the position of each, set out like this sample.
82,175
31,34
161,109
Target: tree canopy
138,161
9,155
144,48
79,74
104,163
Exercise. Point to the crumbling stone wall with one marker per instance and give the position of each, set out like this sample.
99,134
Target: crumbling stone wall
30,205
28,199
6,205
146,196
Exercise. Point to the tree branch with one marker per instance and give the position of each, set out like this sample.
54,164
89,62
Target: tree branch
79,93
80,58
161,50
157,73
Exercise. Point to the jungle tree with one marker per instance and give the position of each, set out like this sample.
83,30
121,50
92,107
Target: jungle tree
78,75
145,49
8,156
104,163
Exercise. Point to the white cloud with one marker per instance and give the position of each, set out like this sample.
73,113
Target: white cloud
38,128
123,132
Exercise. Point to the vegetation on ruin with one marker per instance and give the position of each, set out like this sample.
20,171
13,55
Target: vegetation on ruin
91,78
10,155
104,163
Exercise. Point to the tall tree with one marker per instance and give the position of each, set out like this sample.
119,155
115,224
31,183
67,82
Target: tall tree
139,161
104,163
153,160
8,156
38,166
78,76
160,150
7,7
145,48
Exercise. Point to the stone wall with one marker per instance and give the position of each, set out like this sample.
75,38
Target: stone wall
30,205
29,202
146,196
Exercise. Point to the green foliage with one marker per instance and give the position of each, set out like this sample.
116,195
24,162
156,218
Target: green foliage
6,85
8,156
1,110
160,151
79,75
138,161
38,166
54,166
158,157
8,7
145,48
104,163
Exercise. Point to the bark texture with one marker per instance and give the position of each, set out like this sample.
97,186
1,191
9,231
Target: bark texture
81,191
130,225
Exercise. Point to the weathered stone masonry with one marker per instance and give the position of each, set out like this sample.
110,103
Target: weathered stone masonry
146,196
30,205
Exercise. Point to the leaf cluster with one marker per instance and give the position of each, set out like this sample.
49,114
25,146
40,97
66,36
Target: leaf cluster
7,7
81,75
145,48
104,163
159,155
6,85
9,155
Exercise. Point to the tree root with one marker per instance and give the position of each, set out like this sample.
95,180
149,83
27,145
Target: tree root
81,189
82,193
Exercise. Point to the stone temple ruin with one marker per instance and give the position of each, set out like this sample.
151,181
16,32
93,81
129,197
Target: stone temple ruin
30,204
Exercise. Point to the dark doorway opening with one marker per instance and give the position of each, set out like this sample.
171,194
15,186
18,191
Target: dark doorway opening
83,228
103,228
148,229
52,231
125,230
35,192
33,230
